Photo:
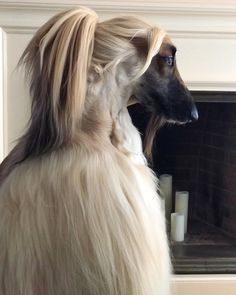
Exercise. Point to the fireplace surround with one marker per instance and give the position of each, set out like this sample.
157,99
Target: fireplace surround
201,157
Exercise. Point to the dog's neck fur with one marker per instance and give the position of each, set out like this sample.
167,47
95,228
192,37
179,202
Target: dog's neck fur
115,95
127,138
106,120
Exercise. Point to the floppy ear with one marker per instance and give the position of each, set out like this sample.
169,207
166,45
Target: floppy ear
57,61
148,47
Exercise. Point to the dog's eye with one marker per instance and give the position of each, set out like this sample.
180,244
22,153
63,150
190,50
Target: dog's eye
168,60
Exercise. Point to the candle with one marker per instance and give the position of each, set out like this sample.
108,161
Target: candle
181,206
177,227
166,192
162,206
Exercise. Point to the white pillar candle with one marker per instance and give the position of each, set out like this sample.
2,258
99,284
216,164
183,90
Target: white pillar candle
162,206
166,193
181,206
177,227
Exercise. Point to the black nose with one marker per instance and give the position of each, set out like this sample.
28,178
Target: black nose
194,114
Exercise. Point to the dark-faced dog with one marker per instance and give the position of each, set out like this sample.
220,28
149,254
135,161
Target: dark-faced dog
79,208
162,90
163,93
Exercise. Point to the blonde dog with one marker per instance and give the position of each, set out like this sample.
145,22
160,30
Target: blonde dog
79,209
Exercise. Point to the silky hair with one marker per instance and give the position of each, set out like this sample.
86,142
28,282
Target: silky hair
79,210
58,65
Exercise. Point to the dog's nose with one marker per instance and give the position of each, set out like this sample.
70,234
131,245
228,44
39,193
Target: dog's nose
194,114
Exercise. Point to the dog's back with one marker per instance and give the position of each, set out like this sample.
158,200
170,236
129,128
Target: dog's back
76,224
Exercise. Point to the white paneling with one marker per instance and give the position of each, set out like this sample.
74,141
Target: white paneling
185,15
18,104
1,96
204,65
196,6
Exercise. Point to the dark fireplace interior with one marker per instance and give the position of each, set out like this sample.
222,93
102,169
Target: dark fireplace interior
201,157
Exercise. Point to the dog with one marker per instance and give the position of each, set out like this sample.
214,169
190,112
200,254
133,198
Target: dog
79,208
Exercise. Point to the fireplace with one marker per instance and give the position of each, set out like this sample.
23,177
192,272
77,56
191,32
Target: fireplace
201,157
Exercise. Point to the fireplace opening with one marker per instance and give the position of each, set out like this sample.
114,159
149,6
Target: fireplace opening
201,158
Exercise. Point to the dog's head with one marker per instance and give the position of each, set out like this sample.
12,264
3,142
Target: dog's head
76,64
162,91
146,56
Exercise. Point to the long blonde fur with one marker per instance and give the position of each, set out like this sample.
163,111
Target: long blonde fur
79,211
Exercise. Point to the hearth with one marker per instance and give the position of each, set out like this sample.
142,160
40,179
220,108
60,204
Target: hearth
201,157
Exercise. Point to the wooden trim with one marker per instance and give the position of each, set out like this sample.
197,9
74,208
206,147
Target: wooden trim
200,16
182,20
192,85
204,278
3,95
219,86
204,284
170,7
185,34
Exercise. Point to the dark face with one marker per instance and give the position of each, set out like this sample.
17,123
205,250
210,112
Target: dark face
161,90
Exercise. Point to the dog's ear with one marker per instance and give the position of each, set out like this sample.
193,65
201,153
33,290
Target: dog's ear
141,45
57,61
148,46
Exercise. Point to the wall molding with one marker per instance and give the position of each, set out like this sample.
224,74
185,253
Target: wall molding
200,85
153,7
214,85
3,95
204,284
188,34
200,16
211,86
202,278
